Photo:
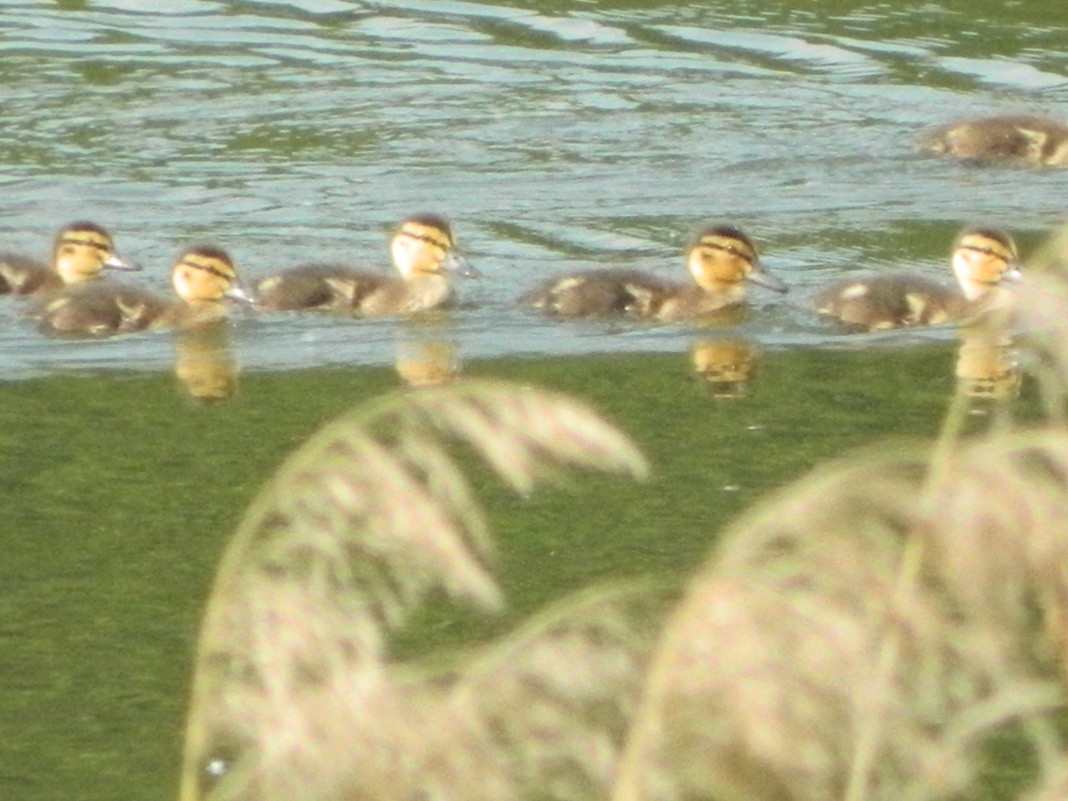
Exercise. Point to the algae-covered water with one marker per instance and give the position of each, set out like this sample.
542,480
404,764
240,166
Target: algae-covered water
557,135
121,492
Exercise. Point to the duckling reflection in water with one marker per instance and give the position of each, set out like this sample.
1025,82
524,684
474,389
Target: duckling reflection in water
202,277
1037,141
81,251
423,251
204,362
725,367
427,363
987,367
719,258
983,259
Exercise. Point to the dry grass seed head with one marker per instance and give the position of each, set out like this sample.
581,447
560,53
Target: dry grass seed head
353,531
831,620
557,696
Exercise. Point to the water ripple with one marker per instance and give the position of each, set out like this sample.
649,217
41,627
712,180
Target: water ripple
558,136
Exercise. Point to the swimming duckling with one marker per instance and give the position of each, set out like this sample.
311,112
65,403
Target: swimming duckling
422,249
80,252
982,259
202,276
720,258
1032,140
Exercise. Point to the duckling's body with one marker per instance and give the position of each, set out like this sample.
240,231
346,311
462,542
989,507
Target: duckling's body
1032,140
202,276
22,275
80,252
720,258
313,286
982,259
423,251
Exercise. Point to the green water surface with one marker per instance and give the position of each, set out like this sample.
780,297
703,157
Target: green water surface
121,493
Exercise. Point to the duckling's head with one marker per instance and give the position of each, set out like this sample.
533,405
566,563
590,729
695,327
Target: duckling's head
982,259
82,250
424,245
205,273
721,256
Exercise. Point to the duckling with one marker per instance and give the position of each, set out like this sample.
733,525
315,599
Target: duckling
202,276
1031,140
422,249
720,258
982,259
80,252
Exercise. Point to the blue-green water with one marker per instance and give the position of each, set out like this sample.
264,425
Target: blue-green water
557,136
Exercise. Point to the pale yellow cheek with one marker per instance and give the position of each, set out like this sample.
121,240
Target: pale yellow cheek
430,258
409,257
194,286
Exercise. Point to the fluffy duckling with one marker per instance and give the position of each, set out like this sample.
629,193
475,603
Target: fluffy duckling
202,277
80,252
982,259
423,251
1031,140
720,259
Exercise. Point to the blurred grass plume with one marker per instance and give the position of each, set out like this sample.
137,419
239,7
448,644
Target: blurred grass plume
860,635
360,525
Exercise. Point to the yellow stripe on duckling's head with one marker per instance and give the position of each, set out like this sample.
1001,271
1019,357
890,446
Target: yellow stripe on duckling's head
424,244
982,258
206,273
721,256
82,250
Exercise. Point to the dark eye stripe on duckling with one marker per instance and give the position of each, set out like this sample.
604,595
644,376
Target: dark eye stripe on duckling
989,241
428,229
429,238
733,247
433,240
221,272
986,250
106,247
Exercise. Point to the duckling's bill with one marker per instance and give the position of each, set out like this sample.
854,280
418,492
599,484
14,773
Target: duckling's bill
461,266
1012,275
761,277
239,293
113,262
